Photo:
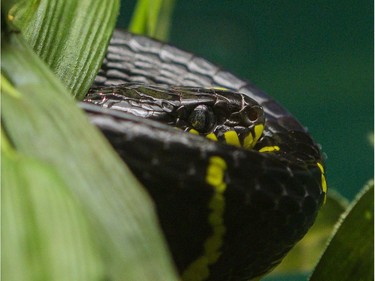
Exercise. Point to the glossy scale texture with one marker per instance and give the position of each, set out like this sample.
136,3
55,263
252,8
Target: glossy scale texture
271,198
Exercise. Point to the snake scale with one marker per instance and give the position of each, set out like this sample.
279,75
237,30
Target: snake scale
228,213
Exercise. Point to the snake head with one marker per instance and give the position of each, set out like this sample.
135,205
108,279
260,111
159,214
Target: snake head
221,115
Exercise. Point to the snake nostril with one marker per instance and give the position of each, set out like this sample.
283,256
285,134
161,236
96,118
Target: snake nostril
252,115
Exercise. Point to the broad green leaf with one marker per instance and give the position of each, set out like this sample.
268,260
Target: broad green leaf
70,36
152,17
42,122
46,234
304,256
350,253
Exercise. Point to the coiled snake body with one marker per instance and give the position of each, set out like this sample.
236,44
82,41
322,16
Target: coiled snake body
230,209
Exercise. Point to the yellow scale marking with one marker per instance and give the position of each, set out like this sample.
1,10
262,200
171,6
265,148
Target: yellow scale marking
258,132
323,179
250,141
198,270
231,138
212,136
269,148
320,166
221,89
194,132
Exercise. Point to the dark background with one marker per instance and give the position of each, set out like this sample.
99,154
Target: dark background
314,57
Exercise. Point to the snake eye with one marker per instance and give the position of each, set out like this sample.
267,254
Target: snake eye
202,119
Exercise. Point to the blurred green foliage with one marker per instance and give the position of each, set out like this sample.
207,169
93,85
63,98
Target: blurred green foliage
350,252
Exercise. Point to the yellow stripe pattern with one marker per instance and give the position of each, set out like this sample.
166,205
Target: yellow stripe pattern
194,132
250,141
199,269
231,138
323,179
269,148
212,136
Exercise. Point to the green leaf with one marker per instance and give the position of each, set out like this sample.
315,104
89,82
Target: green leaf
42,122
46,234
306,253
152,18
70,36
350,253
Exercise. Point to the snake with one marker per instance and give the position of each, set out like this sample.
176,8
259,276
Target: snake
236,180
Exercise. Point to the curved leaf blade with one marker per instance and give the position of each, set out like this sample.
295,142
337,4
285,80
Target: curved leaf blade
46,235
42,122
350,253
70,36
